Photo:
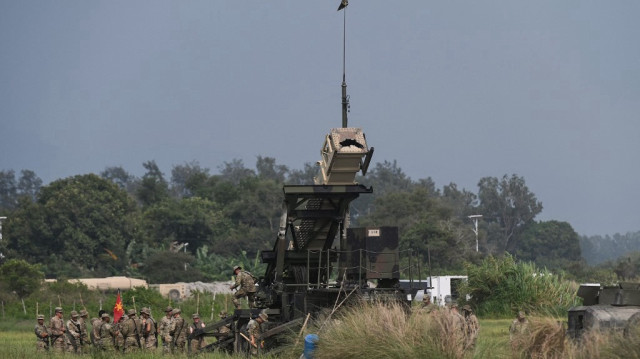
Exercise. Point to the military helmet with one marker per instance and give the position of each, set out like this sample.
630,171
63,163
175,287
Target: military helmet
467,308
176,311
105,315
196,315
58,310
264,317
40,317
84,313
74,314
236,268
168,309
145,310
131,312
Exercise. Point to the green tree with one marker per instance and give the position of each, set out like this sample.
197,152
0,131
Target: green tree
171,267
8,190
268,169
80,225
153,187
122,178
507,206
21,277
195,221
183,175
29,184
304,176
550,244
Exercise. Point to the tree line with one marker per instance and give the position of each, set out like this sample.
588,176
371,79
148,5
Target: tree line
195,225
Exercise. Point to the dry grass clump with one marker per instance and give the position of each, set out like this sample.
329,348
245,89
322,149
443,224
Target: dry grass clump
389,331
544,339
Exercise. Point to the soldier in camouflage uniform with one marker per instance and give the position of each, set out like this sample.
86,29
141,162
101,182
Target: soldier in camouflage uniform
56,330
84,334
178,331
246,285
196,344
471,325
119,338
42,335
254,330
131,330
106,334
148,330
225,331
95,323
163,331
72,337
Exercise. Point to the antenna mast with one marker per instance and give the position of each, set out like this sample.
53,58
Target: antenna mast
345,98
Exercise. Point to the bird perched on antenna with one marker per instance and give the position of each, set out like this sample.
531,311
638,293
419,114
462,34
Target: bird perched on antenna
343,4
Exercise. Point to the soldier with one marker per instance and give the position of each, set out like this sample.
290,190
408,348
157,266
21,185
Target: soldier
458,319
42,335
163,331
472,326
105,340
56,328
247,287
84,335
196,344
131,330
519,326
225,331
119,338
149,332
72,338
254,329
95,323
426,303
178,331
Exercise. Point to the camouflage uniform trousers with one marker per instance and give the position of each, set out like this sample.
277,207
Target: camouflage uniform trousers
131,344
150,343
42,346
179,345
241,293
166,344
58,344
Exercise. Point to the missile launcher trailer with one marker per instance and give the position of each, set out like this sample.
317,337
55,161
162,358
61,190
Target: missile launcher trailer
610,308
317,261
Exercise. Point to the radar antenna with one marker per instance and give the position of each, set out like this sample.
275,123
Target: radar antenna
345,99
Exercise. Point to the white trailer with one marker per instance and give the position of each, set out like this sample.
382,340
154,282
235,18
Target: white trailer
442,289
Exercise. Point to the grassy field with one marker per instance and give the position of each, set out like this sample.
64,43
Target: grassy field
18,341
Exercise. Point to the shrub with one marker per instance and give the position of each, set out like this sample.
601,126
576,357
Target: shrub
500,287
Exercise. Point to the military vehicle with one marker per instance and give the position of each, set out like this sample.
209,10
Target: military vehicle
317,261
605,308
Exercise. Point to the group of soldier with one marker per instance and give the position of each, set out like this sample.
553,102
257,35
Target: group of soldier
131,332
465,323
135,332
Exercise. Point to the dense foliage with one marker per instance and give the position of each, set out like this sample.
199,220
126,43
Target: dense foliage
501,287
118,224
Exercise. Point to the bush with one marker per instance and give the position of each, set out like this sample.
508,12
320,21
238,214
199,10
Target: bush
500,287
389,331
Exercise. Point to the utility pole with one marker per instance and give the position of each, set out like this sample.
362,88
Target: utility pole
185,251
475,218
1,219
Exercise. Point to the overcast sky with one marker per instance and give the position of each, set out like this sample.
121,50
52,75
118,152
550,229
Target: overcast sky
452,90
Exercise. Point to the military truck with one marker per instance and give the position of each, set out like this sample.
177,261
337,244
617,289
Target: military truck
605,308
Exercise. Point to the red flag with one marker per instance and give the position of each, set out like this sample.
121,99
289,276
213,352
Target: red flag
118,311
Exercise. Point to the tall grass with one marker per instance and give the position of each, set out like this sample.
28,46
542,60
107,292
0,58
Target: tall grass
500,287
377,330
